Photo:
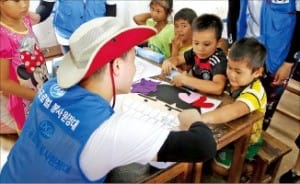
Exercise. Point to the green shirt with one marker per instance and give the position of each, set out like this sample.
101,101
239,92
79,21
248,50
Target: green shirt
161,42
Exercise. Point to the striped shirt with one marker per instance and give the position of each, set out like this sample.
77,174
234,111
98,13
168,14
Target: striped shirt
254,96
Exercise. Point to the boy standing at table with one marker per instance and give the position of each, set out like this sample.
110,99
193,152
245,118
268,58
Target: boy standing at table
244,68
207,60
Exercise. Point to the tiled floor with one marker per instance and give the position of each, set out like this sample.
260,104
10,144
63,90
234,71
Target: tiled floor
282,127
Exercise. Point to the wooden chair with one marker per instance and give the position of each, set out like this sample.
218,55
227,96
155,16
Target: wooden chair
268,159
197,172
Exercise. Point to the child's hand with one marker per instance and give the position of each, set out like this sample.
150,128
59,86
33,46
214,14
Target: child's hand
282,74
176,43
188,117
34,17
178,80
167,67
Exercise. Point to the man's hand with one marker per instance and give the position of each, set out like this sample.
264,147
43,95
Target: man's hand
188,117
283,73
34,17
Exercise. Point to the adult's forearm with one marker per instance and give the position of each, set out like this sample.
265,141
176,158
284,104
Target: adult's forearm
195,145
44,9
111,10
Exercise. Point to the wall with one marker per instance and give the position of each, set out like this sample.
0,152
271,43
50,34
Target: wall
126,9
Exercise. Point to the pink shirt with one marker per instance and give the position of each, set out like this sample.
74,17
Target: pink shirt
27,65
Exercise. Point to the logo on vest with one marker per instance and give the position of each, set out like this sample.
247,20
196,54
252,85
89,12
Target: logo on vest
56,91
46,129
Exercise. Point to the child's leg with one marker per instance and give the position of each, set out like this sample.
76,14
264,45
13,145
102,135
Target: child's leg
222,162
4,129
7,123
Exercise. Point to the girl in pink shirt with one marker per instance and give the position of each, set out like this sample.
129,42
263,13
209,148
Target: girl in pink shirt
23,68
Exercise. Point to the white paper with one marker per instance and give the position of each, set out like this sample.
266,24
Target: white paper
211,100
145,69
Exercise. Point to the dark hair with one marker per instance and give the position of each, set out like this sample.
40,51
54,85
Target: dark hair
167,4
249,50
187,14
208,21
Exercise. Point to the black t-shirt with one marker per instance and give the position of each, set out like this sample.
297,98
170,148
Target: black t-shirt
206,69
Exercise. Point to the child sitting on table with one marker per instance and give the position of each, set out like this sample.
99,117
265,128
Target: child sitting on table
183,31
207,60
245,65
160,10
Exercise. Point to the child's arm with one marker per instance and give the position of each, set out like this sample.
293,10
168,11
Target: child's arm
226,113
171,63
8,86
176,45
223,114
141,19
215,86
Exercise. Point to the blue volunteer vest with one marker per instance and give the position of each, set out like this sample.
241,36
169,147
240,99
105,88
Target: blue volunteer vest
59,124
69,14
277,26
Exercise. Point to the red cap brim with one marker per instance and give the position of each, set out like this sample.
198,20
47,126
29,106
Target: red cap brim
117,45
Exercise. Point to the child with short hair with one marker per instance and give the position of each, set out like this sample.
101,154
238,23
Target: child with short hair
160,10
23,69
244,68
182,41
207,60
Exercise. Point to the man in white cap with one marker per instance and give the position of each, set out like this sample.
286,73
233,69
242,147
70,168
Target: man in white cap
73,134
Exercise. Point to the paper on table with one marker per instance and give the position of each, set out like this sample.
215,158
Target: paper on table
194,96
145,69
211,100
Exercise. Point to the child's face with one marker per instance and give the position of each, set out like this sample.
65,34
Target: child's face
239,74
205,43
183,30
15,9
158,13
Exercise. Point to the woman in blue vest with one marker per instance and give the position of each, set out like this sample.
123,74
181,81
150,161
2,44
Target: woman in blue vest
69,15
273,23
73,132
